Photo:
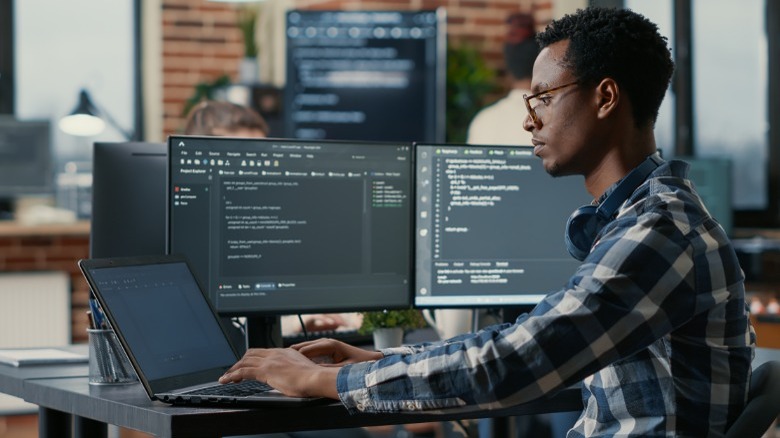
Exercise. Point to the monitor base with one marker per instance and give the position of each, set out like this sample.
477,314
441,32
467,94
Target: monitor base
264,332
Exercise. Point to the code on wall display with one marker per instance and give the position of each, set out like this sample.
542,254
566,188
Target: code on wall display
365,75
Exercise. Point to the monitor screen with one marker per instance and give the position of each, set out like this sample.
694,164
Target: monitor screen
128,199
366,75
25,157
276,226
490,226
711,176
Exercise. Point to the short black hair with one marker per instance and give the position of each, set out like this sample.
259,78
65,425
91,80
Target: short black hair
620,44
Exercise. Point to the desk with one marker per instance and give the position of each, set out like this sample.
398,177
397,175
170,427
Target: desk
13,381
63,390
128,406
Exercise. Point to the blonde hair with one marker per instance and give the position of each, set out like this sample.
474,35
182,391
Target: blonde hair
211,115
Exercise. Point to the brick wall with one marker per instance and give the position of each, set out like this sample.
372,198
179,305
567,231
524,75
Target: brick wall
201,41
55,248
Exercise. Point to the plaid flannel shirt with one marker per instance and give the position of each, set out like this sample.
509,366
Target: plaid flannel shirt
654,322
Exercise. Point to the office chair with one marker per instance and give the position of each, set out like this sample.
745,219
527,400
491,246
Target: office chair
763,405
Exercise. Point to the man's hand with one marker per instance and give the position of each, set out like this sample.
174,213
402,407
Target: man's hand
337,353
285,369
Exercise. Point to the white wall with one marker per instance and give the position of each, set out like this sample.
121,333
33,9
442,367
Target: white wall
563,7
63,46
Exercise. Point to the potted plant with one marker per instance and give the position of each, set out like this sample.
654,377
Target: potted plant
469,82
388,326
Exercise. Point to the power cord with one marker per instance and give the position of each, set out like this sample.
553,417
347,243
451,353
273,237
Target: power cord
303,327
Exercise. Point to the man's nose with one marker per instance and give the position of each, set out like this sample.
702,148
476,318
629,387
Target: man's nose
528,123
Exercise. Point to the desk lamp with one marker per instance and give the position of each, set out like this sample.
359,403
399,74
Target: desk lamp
87,119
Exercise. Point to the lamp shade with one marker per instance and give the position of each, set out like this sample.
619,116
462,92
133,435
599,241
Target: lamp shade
84,119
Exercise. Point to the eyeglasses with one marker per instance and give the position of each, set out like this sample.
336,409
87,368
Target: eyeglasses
527,99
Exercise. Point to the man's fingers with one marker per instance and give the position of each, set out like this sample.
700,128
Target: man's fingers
236,376
249,360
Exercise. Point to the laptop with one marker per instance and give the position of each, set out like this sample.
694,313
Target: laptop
171,333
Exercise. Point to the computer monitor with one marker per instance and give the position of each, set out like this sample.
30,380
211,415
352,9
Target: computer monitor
711,177
274,226
366,75
490,226
25,161
129,186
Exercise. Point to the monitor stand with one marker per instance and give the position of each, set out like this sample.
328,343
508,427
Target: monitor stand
264,332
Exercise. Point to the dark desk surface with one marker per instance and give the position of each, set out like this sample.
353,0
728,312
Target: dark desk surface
65,388
128,406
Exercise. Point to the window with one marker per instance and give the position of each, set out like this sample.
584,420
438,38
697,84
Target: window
731,82
730,93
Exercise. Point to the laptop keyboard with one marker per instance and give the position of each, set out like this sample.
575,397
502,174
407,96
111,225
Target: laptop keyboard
242,389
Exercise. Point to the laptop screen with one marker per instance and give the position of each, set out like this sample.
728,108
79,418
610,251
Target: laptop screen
164,318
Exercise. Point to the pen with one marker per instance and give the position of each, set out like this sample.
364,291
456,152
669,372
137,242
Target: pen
97,315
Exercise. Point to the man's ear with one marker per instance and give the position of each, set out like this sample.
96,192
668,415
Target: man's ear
607,97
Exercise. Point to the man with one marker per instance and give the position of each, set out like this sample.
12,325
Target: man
654,321
498,123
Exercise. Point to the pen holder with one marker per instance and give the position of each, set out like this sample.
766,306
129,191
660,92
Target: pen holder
108,363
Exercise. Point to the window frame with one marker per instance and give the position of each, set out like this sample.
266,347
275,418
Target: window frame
6,57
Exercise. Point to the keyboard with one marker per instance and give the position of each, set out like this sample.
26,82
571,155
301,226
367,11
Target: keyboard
352,337
240,389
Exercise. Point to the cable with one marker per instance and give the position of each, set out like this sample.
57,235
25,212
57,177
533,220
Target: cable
303,327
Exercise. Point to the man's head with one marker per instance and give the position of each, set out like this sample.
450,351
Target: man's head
520,48
596,88
225,119
619,44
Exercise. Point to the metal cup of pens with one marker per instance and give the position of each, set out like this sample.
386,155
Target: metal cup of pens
108,363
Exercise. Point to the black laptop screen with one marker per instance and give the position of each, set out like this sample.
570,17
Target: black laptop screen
164,319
